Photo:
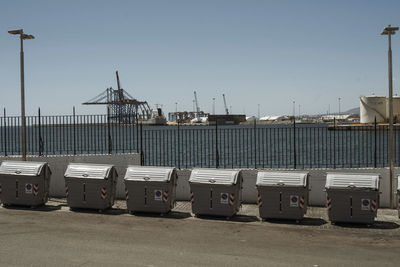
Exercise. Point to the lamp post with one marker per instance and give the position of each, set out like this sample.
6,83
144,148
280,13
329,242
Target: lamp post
339,104
389,31
22,37
294,109
213,107
299,111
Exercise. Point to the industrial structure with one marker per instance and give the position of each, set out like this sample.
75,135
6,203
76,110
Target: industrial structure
196,116
121,106
225,106
185,116
373,106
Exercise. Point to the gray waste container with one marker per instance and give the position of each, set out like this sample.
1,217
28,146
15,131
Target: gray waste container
216,192
24,183
398,195
90,186
282,194
150,189
352,197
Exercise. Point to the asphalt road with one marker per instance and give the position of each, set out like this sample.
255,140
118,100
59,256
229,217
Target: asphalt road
55,236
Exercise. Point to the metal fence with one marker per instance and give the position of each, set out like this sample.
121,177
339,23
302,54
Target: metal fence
244,146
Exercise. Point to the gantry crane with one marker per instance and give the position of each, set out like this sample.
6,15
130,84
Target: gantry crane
122,106
197,105
226,108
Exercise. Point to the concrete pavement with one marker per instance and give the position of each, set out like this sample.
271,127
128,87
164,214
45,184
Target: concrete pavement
56,236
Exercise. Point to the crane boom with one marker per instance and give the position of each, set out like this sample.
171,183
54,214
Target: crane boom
119,87
197,103
226,108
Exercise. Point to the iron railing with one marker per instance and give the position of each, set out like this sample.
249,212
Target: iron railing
245,146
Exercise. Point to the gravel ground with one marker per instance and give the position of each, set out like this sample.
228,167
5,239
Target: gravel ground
54,235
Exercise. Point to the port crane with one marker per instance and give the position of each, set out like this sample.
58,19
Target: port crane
122,106
197,105
226,108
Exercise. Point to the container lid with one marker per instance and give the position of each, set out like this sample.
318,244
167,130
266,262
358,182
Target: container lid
148,174
282,178
211,176
26,168
352,180
83,170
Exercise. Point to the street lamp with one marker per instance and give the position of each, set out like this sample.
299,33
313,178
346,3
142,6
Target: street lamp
213,107
22,37
389,31
294,109
299,111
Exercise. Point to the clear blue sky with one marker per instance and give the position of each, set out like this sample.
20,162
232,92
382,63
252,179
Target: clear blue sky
256,52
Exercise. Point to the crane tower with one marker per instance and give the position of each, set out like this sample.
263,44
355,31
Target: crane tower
122,106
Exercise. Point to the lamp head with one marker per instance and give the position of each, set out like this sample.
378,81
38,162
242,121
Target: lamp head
15,31
389,30
27,36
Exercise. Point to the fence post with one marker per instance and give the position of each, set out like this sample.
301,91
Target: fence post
5,133
137,132
216,145
334,143
255,144
375,142
141,146
109,131
294,143
40,134
179,148
74,128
